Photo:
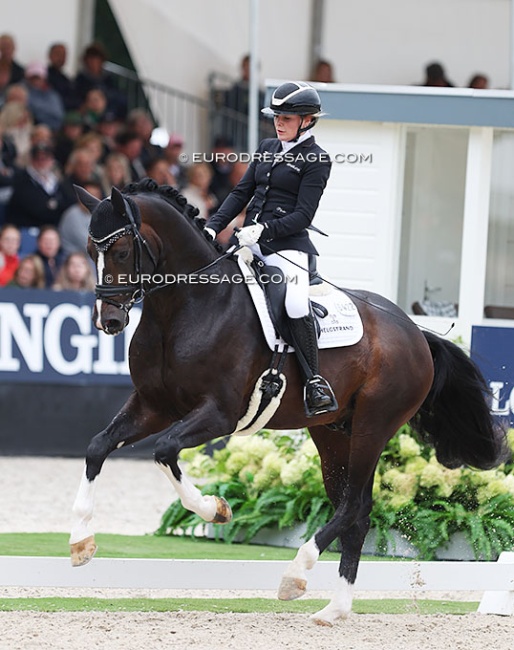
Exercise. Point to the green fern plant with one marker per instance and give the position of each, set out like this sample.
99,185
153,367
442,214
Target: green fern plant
274,480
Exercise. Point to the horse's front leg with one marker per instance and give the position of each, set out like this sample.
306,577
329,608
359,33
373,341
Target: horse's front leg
201,425
134,422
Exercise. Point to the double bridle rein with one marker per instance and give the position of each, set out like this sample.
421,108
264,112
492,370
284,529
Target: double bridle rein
136,291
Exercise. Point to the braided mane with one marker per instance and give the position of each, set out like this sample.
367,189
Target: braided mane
174,198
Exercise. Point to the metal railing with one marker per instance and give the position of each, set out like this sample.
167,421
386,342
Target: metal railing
229,111
172,109
199,121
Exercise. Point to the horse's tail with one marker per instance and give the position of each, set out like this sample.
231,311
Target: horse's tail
455,417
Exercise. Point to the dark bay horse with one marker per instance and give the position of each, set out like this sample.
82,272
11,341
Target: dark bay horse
199,350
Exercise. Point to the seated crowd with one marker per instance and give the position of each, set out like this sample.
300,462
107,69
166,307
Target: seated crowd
57,132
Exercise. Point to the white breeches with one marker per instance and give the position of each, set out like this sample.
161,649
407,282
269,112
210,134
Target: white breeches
297,278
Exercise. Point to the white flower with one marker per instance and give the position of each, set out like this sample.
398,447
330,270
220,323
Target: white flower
439,477
409,448
273,463
492,489
309,450
402,485
235,462
292,473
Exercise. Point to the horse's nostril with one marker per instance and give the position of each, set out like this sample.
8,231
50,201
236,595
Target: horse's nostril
113,325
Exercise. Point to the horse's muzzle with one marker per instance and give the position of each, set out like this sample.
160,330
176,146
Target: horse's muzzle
111,319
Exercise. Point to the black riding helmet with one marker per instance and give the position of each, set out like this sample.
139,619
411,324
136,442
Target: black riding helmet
295,98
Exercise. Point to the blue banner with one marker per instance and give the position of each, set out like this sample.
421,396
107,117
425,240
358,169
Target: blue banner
49,337
492,349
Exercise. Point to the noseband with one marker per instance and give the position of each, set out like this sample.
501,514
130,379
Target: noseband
136,291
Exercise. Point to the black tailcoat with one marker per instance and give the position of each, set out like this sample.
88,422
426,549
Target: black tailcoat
281,191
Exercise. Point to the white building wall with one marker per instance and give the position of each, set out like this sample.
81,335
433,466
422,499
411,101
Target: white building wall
36,25
360,206
372,41
179,43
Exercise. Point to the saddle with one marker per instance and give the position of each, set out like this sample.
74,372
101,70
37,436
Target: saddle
275,295
337,318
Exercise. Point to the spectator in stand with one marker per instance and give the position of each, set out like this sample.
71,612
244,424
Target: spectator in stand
74,224
236,174
58,79
7,171
130,145
39,197
5,73
237,100
41,134
50,252
222,168
108,128
159,171
140,121
7,49
30,274
44,103
76,274
92,142
172,156
80,169
116,173
10,240
323,72
479,81
93,75
93,108
197,190
16,123
435,75
66,138
17,93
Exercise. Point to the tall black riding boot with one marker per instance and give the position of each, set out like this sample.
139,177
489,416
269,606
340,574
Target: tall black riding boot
318,395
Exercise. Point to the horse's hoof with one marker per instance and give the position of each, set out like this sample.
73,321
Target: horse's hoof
321,621
82,552
223,511
292,588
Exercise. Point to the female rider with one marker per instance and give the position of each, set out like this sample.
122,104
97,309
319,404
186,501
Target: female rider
282,189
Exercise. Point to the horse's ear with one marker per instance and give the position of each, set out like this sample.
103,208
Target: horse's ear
117,201
87,199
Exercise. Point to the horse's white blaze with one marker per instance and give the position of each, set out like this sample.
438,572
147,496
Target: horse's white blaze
339,607
190,496
100,266
83,510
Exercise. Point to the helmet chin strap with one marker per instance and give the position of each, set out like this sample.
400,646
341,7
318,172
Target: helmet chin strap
305,128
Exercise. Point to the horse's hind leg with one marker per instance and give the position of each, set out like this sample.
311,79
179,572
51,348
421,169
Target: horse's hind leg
352,541
132,423
348,476
334,449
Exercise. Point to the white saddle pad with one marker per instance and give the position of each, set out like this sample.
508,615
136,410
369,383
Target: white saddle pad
342,326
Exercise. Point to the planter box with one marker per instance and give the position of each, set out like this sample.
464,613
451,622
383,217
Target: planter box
458,547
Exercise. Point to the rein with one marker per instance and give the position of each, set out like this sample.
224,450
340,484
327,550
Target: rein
137,291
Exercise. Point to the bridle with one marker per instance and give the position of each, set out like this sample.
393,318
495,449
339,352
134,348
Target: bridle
136,291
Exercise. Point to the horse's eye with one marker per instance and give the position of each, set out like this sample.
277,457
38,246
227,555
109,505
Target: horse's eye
123,255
